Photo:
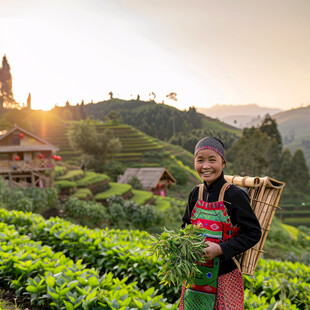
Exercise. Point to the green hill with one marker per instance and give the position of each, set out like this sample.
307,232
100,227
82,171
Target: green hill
294,127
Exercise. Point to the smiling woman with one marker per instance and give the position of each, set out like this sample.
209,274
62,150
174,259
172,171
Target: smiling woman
223,213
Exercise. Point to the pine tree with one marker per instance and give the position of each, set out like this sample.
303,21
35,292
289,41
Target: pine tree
286,167
29,102
270,127
300,172
6,82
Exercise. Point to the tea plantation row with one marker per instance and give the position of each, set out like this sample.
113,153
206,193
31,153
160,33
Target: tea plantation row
276,284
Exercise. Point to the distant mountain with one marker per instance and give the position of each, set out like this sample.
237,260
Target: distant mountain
239,115
294,126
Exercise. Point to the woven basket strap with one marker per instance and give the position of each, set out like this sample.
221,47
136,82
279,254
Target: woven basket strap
237,263
200,193
222,192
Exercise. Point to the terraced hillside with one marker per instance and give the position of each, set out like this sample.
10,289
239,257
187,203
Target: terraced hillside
134,142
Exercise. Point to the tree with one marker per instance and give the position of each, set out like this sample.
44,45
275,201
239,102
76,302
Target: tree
6,90
286,167
114,117
172,96
270,127
111,95
96,147
29,101
300,172
249,156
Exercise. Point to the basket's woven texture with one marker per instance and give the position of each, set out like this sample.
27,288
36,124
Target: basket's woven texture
264,194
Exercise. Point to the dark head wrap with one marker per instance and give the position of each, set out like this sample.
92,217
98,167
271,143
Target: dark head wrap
211,143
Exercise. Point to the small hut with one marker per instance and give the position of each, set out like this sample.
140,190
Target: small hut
152,179
25,159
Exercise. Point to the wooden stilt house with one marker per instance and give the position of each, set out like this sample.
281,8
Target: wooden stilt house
25,159
152,179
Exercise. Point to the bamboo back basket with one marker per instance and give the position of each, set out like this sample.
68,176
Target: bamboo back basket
264,194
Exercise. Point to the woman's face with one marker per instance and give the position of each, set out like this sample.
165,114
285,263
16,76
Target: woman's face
209,165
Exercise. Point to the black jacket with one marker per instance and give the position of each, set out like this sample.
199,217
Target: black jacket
237,203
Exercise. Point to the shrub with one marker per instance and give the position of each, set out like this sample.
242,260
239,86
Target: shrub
135,183
113,169
179,173
52,197
79,209
4,190
59,171
91,178
130,214
75,208
116,189
72,175
18,201
83,194
65,185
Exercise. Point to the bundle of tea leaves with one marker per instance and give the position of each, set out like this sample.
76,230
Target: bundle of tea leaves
181,252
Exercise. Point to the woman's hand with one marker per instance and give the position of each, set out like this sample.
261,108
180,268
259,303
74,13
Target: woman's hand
212,250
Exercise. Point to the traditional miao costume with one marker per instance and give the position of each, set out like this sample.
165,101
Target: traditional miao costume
225,217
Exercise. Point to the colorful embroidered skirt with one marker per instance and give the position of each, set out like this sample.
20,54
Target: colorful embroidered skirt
230,292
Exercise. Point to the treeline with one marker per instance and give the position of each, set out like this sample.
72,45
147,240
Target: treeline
260,152
157,120
189,139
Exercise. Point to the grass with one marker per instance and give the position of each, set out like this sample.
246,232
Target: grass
59,171
83,194
141,197
72,175
64,184
162,203
292,230
116,189
297,221
91,178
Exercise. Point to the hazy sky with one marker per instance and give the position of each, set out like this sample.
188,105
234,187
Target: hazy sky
207,51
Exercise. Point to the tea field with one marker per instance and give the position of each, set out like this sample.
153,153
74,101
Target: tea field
54,264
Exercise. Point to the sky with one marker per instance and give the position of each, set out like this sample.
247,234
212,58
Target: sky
207,51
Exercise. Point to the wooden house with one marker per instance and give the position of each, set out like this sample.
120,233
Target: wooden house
152,179
25,159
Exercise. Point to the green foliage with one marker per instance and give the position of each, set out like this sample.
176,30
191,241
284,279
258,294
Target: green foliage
300,172
130,214
49,279
135,183
182,252
68,185
4,190
141,197
83,194
113,169
96,146
72,175
189,139
32,199
76,208
91,178
179,173
116,189
59,171
276,284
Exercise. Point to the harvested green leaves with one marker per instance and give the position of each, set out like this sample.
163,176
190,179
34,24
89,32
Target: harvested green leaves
181,252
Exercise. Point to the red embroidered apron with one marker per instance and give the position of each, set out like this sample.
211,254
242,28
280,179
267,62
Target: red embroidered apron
216,227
